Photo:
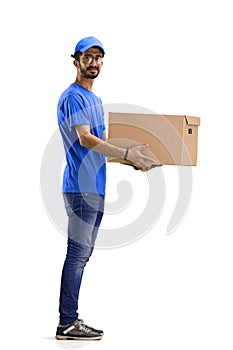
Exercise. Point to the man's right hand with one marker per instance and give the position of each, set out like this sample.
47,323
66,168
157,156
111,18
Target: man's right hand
142,158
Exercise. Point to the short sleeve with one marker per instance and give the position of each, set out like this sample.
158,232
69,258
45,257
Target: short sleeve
77,113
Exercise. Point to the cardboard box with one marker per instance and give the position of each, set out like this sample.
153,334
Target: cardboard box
172,139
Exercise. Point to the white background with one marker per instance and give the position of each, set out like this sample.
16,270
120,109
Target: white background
162,292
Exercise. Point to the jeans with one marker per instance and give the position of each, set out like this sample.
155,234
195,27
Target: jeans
85,212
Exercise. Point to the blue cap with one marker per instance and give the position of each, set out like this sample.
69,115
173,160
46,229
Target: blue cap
86,43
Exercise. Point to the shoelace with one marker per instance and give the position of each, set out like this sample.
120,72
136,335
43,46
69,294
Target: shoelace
82,327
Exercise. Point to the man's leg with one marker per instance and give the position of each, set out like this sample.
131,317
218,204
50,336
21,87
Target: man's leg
85,213
76,259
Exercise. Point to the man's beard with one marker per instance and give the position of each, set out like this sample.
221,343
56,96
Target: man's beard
84,72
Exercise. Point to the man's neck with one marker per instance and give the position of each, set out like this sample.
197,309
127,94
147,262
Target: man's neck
84,82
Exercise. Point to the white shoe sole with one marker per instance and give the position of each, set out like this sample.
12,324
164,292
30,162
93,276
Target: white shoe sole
68,337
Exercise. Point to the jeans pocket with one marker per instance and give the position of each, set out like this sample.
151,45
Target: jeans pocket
68,200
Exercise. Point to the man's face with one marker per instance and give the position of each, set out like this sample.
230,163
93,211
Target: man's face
90,63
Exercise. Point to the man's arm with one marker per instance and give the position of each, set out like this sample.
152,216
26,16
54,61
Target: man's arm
96,144
140,156
105,135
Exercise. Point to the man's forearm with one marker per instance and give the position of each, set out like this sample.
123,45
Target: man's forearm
96,144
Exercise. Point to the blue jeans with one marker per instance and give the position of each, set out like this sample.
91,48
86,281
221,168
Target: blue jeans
85,212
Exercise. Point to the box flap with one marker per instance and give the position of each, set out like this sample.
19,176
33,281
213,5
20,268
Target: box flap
192,120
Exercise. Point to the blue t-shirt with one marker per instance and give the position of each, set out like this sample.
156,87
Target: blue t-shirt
85,170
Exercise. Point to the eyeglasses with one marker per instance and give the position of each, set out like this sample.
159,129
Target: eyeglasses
88,59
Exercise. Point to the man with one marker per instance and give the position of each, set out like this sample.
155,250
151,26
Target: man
81,122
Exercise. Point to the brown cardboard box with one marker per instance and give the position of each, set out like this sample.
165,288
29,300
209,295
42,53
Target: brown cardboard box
172,138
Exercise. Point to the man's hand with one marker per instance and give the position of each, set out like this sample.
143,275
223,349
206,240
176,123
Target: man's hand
142,158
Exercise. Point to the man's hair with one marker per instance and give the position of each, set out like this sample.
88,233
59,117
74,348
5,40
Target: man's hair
77,55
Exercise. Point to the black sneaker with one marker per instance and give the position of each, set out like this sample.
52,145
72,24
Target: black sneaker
77,331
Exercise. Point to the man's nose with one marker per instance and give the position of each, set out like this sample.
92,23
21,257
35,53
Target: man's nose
93,62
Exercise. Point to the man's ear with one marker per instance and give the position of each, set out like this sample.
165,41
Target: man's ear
76,63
